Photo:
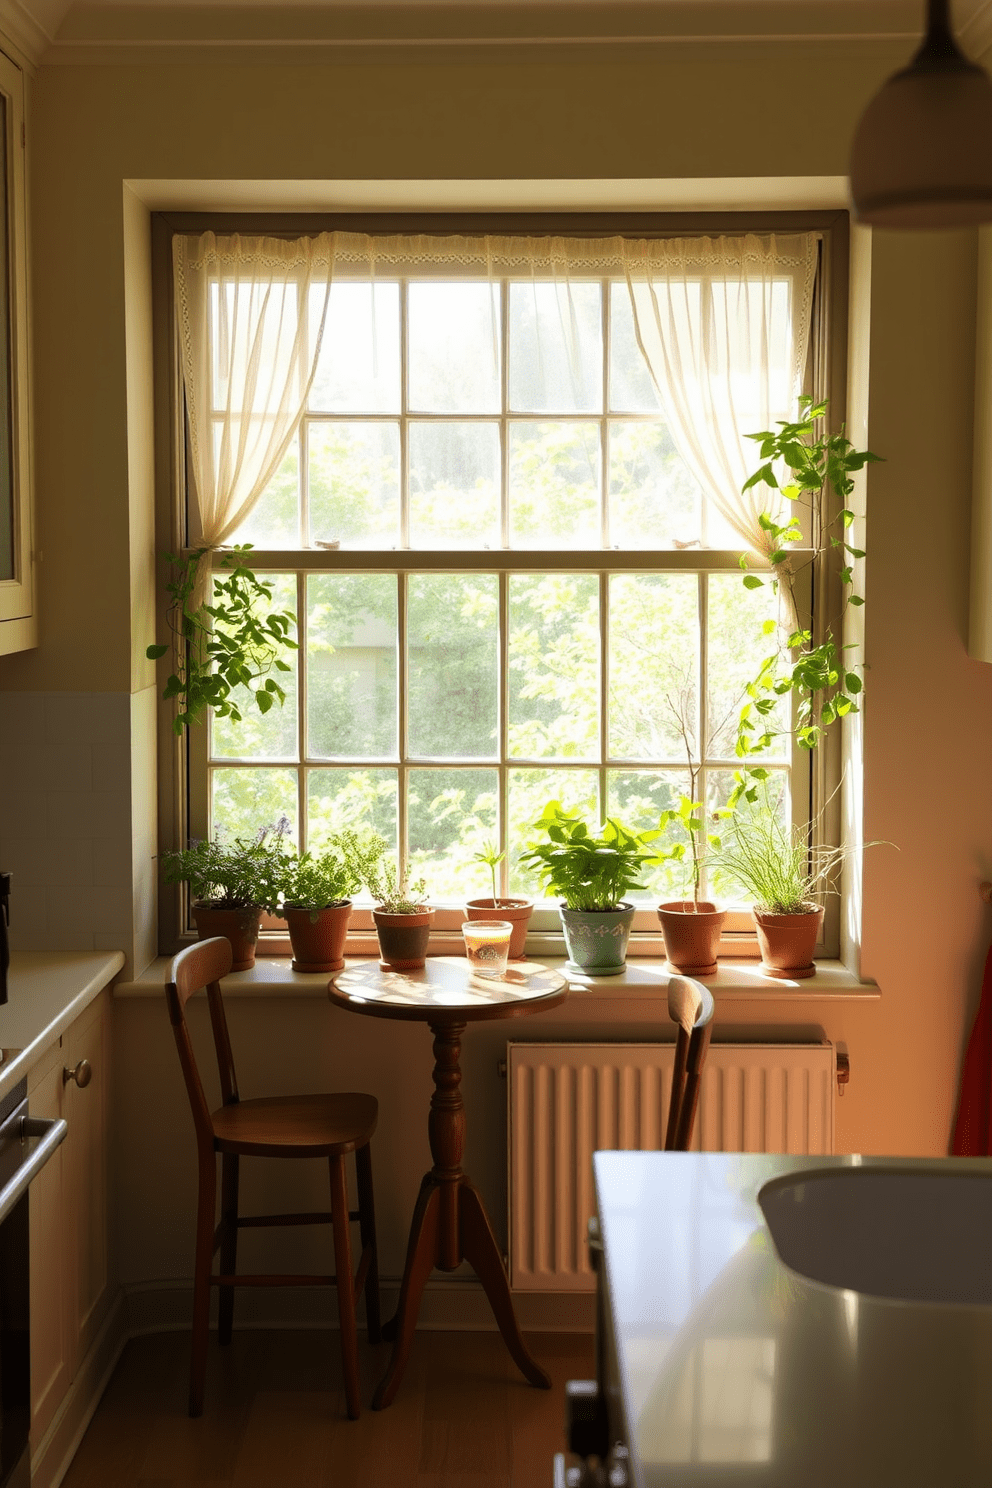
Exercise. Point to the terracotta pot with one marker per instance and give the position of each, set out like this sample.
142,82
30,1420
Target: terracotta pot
596,939
692,936
517,911
317,935
403,938
239,926
787,943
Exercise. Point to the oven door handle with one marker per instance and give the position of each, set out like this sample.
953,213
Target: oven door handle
52,1133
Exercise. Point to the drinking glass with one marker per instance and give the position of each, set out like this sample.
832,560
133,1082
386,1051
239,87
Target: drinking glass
487,945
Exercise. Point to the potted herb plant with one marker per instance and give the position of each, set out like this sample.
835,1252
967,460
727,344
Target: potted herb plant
316,904
401,916
231,884
516,911
590,874
691,926
785,878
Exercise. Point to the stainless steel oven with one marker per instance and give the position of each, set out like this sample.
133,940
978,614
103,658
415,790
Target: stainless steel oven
26,1144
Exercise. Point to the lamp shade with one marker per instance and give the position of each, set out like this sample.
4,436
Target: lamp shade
922,152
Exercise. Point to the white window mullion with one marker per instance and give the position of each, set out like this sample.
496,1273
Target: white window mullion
503,729
604,423
604,686
301,705
703,741
404,414
402,693
504,373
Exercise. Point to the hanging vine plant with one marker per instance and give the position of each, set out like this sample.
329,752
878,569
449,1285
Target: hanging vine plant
234,642
824,680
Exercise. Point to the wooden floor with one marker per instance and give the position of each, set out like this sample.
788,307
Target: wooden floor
274,1417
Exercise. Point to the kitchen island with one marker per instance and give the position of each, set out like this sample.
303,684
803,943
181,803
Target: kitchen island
723,1365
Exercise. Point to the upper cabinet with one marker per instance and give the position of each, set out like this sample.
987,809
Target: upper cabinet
18,626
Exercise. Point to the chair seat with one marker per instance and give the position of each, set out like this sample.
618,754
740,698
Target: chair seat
296,1125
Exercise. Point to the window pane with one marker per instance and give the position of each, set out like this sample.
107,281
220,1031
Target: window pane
454,486
351,666
735,652
554,486
654,500
245,802
354,473
529,791
654,666
360,799
554,666
452,636
631,387
452,814
272,735
637,798
556,348
358,370
454,348
274,521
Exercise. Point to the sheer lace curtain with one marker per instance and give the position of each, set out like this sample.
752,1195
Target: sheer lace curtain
251,315
723,324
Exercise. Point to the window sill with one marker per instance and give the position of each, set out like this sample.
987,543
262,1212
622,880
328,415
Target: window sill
643,981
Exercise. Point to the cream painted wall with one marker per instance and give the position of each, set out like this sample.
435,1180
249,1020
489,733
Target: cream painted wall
677,114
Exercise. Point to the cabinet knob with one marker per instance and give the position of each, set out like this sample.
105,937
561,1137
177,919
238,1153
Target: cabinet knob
82,1074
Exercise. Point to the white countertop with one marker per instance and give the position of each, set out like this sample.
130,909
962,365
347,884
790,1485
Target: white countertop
47,990
735,1369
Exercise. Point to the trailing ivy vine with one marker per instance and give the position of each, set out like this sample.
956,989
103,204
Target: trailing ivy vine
823,681
233,642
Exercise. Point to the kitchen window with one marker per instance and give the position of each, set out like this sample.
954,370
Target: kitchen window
512,578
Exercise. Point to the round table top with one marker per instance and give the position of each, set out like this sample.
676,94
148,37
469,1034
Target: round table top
445,990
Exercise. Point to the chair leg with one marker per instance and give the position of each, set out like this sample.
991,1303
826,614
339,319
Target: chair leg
202,1267
366,1224
346,1285
229,1242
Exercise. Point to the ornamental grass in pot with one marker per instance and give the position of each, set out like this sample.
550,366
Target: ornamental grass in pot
785,877
517,911
231,884
590,874
401,915
317,889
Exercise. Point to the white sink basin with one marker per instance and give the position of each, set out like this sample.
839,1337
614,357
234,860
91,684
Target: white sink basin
922,1236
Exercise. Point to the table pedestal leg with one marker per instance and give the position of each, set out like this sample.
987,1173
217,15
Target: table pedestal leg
450,1224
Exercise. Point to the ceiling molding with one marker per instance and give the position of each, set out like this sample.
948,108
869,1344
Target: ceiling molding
24,31
418,23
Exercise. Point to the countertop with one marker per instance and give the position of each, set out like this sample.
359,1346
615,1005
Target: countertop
734,1368
47,990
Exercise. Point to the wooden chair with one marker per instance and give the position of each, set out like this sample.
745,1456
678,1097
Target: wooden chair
277,1126
690,1005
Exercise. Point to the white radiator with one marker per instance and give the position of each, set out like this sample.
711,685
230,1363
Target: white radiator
567,1101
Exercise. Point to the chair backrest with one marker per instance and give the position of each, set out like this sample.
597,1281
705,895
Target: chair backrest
690,1006
202,965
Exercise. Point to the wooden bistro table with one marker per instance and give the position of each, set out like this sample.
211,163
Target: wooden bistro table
450,1223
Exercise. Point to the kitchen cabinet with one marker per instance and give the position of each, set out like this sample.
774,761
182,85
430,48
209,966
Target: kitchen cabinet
18,624
71,1291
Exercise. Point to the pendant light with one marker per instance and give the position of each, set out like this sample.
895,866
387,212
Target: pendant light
922,153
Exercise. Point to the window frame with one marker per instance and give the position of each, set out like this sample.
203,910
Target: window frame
182,761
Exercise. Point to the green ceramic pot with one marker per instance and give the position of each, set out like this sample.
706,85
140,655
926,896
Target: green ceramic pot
596,939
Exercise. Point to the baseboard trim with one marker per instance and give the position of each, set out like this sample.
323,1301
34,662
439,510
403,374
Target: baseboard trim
51,1458
449,1303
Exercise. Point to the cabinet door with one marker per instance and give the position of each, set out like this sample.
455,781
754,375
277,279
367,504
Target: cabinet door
85,1110
50,1352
